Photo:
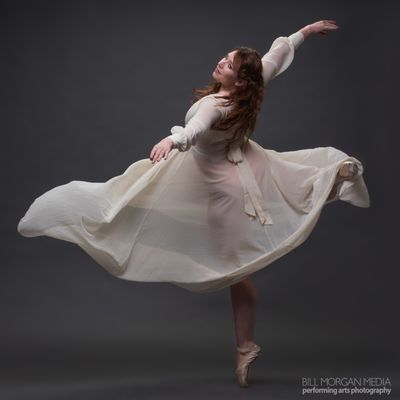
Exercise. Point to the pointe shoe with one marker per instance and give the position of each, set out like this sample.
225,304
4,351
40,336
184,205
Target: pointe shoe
347,171
252,352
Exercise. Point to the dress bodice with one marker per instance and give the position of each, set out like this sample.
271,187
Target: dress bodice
212,141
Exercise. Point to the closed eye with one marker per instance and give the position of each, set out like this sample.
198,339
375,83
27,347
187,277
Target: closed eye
230,65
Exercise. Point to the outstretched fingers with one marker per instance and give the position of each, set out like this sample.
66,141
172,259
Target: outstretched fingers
157,153
161,150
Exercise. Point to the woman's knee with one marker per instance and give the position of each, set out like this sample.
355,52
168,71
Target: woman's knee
245,288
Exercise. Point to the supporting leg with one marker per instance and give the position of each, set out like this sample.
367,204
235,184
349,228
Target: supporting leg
243,297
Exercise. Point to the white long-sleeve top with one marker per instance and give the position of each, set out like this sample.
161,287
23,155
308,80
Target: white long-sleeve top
208,111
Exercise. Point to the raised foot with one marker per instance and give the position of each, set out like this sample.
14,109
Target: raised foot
348,170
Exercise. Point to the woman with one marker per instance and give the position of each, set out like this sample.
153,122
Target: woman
210,207
240,76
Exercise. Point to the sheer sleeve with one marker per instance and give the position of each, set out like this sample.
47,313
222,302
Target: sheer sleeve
207,113
280,55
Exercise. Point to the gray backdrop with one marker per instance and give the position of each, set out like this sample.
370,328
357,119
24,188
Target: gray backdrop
87,89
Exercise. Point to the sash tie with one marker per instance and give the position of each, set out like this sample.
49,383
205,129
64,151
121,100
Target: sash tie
254,204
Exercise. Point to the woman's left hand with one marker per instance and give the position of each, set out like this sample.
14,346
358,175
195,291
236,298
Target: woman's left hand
161,149
320,27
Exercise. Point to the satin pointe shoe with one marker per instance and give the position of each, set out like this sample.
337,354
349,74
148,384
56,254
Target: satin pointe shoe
347,171
251,352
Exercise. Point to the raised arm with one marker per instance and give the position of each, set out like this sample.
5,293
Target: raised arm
281,53
182,138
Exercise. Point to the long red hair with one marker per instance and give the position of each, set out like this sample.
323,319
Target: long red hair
246,99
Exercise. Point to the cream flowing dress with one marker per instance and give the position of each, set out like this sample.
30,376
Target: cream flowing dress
205,218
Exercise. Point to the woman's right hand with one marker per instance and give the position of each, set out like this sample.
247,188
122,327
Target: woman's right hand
320,27
161,149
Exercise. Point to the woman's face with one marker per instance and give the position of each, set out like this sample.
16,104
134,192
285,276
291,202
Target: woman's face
226,71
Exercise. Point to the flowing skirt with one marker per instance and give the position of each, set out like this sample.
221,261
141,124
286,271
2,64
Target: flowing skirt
187,220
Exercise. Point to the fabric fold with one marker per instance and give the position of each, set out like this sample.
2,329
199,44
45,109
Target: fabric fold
254,203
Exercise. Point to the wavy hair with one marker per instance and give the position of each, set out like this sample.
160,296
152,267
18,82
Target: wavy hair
245,99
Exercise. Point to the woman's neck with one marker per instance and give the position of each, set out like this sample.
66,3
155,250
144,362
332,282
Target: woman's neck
223,92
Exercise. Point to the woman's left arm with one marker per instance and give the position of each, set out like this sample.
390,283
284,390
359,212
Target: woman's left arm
282,50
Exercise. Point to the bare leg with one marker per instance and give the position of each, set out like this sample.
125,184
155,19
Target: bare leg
243,297
333,192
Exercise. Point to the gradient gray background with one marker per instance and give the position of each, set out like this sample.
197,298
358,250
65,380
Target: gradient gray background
87,89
